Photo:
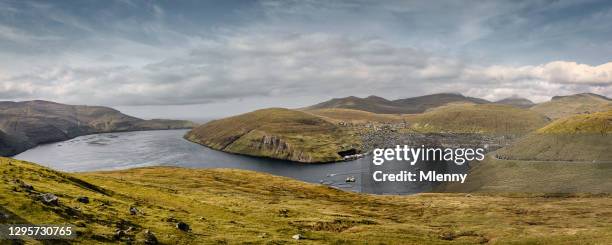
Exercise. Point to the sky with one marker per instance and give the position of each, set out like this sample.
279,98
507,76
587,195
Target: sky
208,59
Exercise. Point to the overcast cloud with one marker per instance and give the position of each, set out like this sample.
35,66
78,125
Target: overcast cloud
142,55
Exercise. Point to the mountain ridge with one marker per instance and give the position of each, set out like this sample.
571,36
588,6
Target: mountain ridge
377,104
26,124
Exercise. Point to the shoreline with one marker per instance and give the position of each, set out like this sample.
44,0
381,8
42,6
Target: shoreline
76,136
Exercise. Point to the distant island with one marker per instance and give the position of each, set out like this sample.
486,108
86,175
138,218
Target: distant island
26,124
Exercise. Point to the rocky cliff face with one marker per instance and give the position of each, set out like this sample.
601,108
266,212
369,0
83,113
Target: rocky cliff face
276,147
29,123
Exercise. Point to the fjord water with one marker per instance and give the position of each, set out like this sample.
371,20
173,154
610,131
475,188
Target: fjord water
113,151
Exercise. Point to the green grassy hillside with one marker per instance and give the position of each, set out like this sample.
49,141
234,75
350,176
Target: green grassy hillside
577,138
517,176
477,118
594,123
355,116
372,104
276,133
224,206
516,102
569,155
380,105
564,106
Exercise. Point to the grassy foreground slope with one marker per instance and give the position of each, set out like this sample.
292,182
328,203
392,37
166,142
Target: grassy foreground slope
276,133
576,138
235,206
477,118
563,106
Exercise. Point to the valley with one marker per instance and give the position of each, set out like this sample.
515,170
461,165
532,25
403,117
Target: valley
543,179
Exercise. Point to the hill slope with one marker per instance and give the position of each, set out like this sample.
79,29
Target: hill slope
563,106
475,118
516,101
30,123
402,106
355,116
371,104
569,155
237,206
423,103
522,176
577,138
276,133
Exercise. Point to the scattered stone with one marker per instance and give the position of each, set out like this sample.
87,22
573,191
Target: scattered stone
283,212
83,199
119,234
4,216
130,229
263,235
202,218
49,199
170,219
26,187
80,223
447,235
150,238
134,211
297,237
468,195
182,226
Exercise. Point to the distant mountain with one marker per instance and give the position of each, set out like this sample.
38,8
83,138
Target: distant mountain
372,104
564,106
377,104
29,123
423,103
516,101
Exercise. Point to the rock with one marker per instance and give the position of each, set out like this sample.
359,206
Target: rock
170,219
26,187
182,226
297,237
83,199
134,211
49,199
468,195
119,234
149,238
283,212
4,216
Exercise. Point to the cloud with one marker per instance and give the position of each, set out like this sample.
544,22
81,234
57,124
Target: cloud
561,72
243,65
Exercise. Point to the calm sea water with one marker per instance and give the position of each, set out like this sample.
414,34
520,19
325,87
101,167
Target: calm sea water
112,151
